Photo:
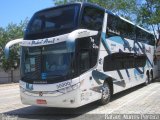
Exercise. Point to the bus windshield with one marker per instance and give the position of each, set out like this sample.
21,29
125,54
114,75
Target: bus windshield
45,62
54,21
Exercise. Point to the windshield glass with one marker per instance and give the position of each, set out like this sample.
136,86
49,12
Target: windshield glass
52,21
45,62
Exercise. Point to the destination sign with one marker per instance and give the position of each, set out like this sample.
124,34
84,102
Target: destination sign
46,41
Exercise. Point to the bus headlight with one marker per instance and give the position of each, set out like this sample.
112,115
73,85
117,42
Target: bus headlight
75,86
22,89
70,88
62,90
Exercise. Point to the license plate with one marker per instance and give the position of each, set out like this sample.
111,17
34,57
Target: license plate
40,101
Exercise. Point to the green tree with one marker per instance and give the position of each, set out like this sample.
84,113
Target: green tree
149,15
11,32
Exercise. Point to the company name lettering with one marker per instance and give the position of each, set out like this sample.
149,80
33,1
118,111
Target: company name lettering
45,41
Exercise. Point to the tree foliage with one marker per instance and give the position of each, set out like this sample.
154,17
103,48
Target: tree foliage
149,14
11,32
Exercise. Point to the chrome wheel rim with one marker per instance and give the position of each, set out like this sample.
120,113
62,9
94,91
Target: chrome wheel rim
105,92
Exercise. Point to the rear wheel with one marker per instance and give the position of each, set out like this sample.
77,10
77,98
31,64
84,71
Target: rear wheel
147,80
151,76
106,94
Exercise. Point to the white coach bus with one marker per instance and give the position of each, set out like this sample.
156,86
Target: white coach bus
74,54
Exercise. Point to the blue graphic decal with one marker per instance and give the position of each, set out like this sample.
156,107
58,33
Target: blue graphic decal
125,43
122,41
44,76
108,51
138,72
105,43
125,69
147,64
127,73
143,50
117,39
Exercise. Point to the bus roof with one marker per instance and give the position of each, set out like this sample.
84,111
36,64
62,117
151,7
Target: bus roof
46,9
75,3
96,6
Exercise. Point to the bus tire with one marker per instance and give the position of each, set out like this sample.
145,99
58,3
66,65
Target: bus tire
147,81
106,93
151,76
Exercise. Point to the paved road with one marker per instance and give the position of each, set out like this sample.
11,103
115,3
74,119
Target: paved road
137,100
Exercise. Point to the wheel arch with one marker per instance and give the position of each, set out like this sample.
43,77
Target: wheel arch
147,73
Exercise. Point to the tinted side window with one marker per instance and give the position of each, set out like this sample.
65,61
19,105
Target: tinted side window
84,60
141,36
87,49
127,30
144,37
140,60
117,26
112,26
92,18
118,61
151,39
83,54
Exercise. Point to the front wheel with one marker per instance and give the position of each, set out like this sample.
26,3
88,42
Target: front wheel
151,77
106,94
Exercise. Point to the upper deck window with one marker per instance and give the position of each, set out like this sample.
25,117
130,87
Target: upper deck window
119,27
54,20
92,18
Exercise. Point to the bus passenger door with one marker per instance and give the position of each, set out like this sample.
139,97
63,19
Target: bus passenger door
89,87
87,50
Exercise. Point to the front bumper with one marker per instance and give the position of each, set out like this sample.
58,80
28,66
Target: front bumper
67,100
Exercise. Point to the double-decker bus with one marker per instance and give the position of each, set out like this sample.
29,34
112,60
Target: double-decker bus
78,53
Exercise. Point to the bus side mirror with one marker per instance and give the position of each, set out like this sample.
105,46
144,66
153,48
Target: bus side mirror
9,44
